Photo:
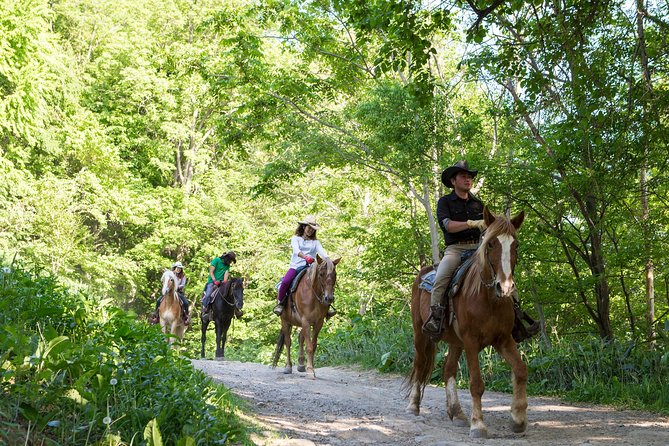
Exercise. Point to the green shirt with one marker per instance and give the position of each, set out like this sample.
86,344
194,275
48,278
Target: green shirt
219,269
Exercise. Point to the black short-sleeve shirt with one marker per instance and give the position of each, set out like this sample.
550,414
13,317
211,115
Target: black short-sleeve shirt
455,208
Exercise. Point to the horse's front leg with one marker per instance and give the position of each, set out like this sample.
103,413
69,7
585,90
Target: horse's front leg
311,339
224,334
300,359
477,428
450,370
509,352
219,337
203,338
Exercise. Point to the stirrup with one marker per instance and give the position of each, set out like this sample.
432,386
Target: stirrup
331,312
278,309
238,313
434,322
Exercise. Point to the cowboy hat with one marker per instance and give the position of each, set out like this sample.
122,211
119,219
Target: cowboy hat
177,265
311,221
450,172
231,255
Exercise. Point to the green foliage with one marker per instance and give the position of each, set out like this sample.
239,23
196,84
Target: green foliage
81,372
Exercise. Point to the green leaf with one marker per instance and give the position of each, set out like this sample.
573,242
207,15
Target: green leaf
152,434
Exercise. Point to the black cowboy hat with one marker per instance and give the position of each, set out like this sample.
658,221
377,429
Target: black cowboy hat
231,255
450,172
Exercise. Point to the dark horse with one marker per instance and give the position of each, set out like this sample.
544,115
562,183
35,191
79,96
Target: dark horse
222,309
306,308
483,315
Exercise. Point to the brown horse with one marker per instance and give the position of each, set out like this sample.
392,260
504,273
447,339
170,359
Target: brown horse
483,315
306,308
171,321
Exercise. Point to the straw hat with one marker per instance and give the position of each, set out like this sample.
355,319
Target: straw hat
311,221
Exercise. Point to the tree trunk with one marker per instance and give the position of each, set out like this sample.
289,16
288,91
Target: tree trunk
645,209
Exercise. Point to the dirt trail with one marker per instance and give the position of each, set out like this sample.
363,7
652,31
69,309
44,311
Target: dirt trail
350,407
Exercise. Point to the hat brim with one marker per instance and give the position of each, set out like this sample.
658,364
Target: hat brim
316,226
450,172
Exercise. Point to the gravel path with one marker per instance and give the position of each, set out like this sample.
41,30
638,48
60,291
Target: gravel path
347,407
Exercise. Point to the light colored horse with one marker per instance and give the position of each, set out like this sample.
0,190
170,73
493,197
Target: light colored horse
171,321
483,316
311,300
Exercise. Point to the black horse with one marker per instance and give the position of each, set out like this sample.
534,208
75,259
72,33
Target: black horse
226,297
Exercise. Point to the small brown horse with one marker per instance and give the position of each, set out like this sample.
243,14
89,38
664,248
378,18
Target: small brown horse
483,316
311,299
170,312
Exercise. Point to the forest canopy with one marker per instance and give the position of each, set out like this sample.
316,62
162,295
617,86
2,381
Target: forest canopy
135,134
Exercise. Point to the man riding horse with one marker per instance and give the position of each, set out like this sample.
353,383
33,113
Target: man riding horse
460,216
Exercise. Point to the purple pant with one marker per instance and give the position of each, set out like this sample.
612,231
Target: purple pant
285,283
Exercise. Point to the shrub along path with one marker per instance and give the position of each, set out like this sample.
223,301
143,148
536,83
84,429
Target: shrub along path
344,406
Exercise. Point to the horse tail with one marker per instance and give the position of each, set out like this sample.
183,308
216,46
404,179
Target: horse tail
279,347
425,347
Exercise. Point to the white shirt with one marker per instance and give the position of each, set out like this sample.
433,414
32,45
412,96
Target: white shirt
306,247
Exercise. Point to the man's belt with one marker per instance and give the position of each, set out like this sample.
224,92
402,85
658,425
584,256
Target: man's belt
465,242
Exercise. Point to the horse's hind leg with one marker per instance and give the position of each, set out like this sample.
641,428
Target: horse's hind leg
424,351
509,352
300,359
450,371
286,329
203,338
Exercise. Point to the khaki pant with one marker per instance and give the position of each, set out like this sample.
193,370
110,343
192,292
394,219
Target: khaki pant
449,263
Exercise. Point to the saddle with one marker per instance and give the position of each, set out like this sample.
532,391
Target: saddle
219,291
427,281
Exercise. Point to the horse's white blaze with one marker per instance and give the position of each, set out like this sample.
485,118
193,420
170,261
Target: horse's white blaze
506,240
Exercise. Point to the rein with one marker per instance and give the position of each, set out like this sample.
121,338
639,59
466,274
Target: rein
494,273
225,299
319,295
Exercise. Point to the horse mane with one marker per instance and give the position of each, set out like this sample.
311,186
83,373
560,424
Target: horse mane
167,275
472,283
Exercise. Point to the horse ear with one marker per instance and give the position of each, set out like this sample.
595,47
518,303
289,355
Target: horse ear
336,260
319,260
488,216
518,219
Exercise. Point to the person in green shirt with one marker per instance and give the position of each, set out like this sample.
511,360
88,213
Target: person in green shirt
219,273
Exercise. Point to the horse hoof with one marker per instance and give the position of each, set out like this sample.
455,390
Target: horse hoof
301,368
311,374
478,433
287,370
518,428
220,358
458,418
460,422
412,410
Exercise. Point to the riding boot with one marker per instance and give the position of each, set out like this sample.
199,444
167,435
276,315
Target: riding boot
331,312
204,314
238,313
278,309
433,324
